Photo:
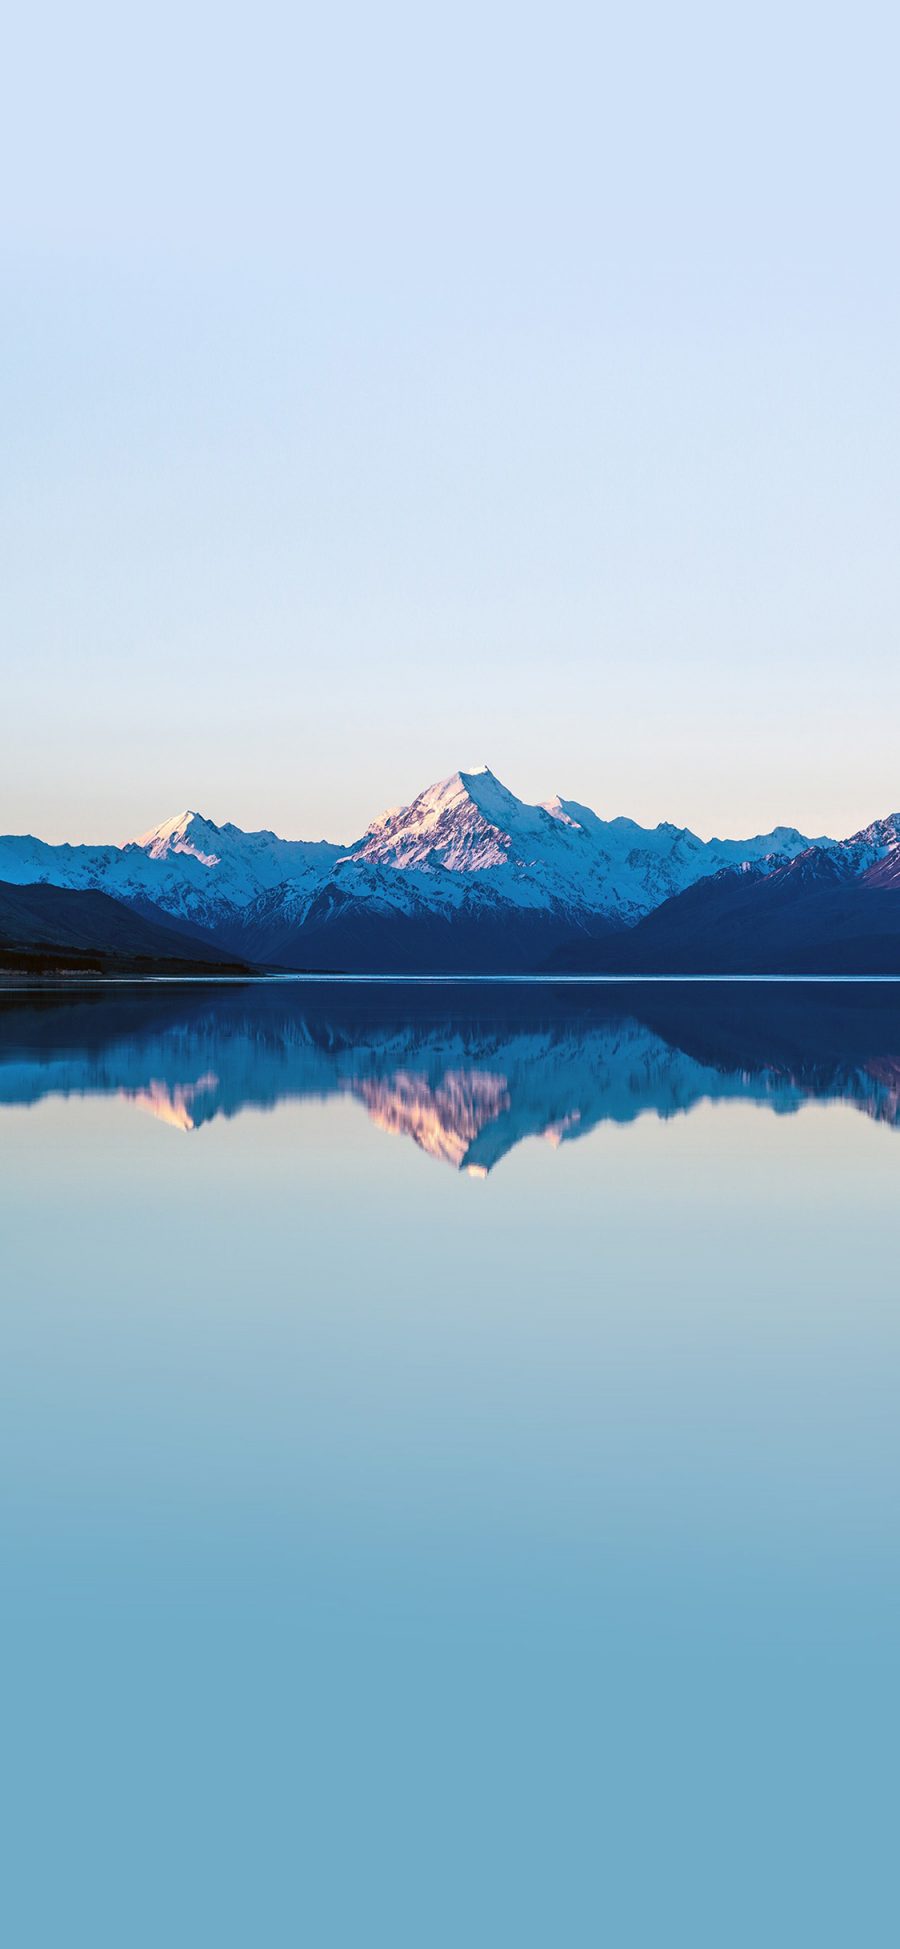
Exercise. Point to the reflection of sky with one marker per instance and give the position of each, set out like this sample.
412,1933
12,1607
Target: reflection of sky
434,1562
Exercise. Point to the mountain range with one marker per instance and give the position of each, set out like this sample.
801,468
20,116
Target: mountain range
470,879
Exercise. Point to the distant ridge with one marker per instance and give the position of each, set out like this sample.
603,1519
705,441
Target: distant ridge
46,929
811,915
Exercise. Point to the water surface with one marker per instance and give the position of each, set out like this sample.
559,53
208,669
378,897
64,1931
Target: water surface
448,1463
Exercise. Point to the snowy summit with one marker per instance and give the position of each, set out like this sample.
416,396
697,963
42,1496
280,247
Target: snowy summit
463,873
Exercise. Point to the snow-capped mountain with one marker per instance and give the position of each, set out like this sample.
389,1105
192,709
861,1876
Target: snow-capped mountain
465,876
201,873
872,855
831,909
469,876
560,850
243,861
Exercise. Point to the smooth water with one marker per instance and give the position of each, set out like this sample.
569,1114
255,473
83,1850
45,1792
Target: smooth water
449,1447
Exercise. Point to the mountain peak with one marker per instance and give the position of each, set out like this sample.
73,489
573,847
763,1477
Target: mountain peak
461,822
188,832
882,833
470,783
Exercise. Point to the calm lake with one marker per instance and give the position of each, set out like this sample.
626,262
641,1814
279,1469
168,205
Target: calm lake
449,1465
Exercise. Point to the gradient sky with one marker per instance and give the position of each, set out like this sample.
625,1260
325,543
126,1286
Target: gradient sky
386,390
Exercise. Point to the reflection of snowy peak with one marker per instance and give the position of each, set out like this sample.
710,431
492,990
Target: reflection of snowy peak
465,1076
467,875
445,1117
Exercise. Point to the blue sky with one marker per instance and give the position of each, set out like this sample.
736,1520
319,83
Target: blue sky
403,390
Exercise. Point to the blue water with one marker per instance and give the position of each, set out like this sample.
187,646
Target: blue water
449,1459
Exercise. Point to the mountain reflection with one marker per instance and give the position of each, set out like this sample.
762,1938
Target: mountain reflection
465,1071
